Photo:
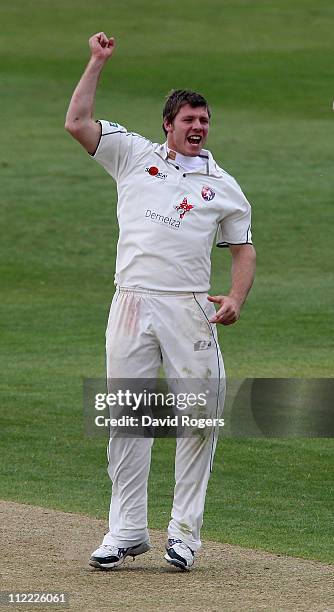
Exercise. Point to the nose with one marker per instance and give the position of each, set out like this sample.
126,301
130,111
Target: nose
197,124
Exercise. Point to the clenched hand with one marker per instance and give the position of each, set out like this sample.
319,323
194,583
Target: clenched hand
101,46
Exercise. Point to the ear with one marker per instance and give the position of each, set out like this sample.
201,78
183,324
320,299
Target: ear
167,125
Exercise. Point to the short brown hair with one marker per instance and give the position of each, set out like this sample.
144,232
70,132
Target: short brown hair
178,98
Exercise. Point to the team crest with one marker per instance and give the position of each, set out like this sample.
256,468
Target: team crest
207,193
184,207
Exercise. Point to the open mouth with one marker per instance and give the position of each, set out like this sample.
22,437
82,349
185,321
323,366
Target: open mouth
194,140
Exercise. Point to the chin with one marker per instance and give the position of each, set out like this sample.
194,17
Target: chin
193,153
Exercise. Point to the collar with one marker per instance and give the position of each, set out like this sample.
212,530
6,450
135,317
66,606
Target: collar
212,167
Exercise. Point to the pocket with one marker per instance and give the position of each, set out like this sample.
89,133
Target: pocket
204,310
112,307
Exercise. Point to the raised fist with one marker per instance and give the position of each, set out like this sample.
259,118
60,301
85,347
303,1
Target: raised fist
101,46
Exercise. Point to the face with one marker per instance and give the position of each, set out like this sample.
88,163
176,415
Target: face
188,132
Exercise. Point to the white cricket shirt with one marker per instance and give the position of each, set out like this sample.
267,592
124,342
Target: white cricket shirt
168,217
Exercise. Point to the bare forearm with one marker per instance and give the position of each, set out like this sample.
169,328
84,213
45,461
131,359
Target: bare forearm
242,276
242,273
81,108
79,119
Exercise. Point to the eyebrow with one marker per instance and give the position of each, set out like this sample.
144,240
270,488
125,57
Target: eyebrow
191,116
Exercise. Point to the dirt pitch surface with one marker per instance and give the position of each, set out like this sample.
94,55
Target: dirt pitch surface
45,550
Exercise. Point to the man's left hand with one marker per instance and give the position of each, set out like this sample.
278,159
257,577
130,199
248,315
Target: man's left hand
229,311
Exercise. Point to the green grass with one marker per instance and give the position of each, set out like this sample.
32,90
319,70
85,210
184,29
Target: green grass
266,68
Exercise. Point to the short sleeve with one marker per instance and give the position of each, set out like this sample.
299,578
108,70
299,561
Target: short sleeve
235,227
113,148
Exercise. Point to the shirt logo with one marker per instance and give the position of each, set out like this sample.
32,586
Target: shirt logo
202,345
183,208
208,193
154,171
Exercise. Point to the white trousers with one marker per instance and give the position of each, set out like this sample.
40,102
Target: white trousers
147,329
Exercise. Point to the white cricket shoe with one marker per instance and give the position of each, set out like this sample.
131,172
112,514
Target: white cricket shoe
107,557
179,554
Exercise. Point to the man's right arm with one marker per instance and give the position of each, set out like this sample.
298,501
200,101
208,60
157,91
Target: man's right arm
79,119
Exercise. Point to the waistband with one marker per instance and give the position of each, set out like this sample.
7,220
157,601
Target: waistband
141,291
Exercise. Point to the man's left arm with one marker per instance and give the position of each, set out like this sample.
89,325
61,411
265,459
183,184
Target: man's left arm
242,277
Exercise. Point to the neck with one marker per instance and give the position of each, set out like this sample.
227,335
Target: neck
188,162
